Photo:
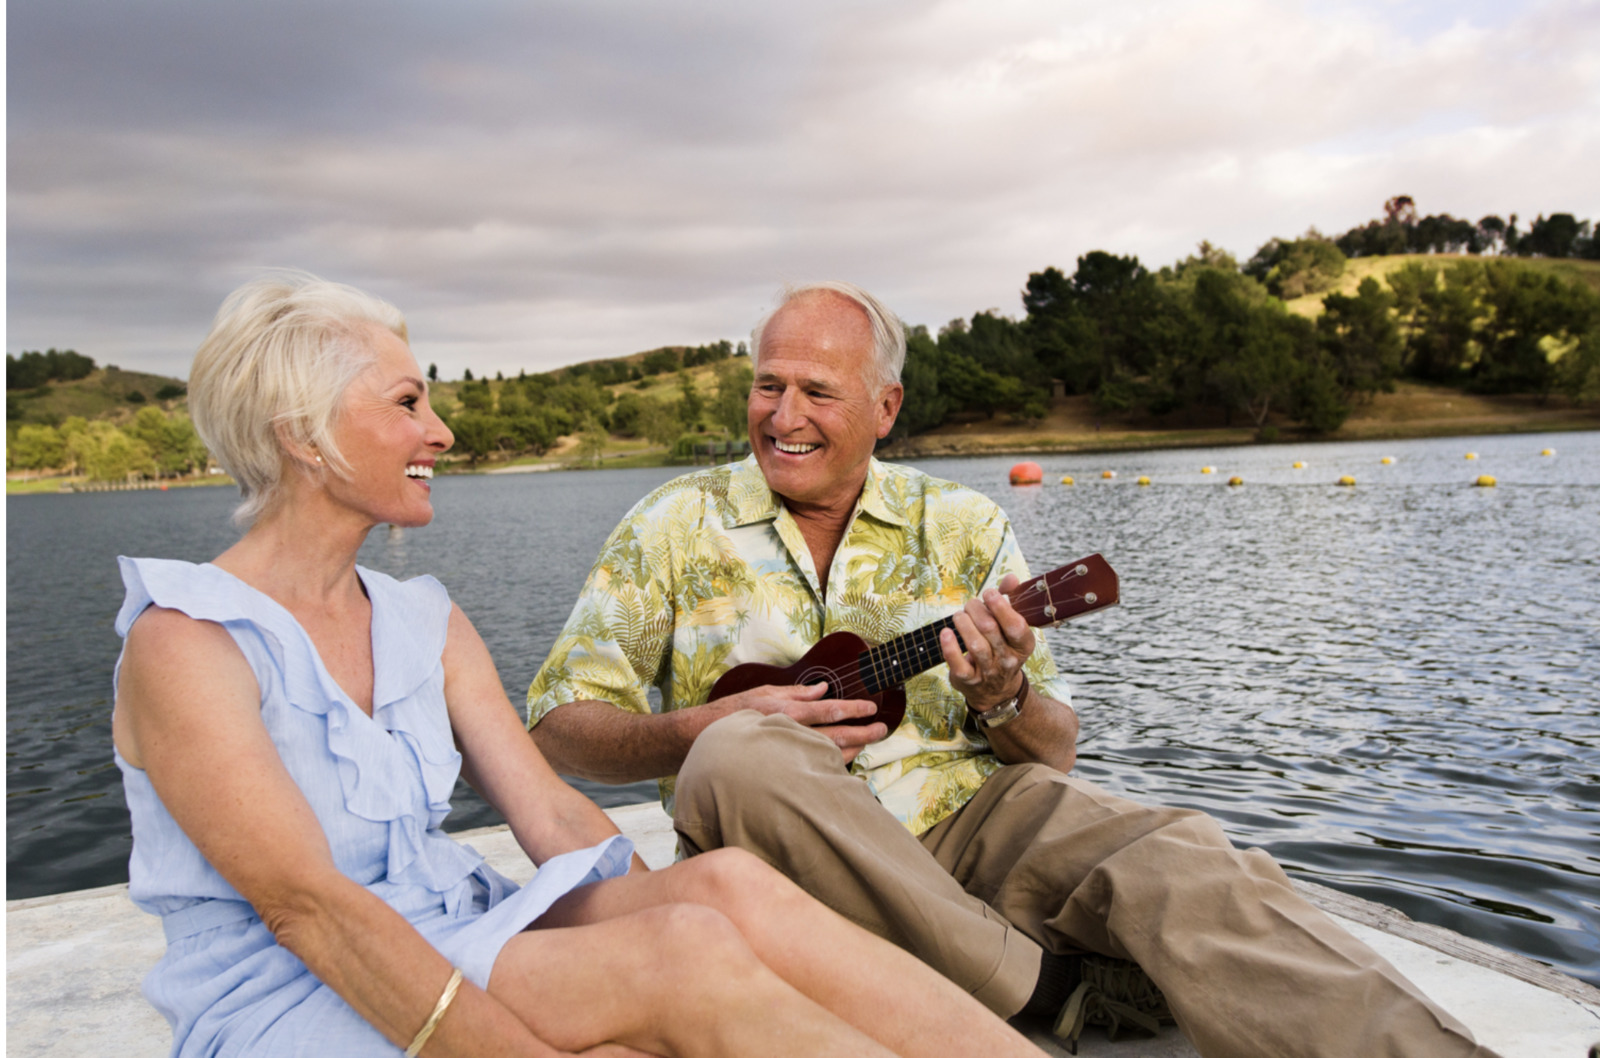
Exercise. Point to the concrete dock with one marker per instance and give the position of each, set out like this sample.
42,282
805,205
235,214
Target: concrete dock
74,962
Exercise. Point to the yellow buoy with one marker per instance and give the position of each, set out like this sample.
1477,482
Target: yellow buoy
1299,464
1548,452
1472,455
1144,481
1236,480
1347,480
1068,480
1208,470
1108,473
1386,460
1486,481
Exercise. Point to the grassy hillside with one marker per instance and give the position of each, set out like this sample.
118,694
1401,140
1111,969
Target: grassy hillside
104,394
1360,268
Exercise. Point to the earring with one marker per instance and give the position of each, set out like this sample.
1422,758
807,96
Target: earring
319,460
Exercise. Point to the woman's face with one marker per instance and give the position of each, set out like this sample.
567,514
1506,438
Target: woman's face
389,435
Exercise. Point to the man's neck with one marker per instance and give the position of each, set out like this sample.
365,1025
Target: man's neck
823,526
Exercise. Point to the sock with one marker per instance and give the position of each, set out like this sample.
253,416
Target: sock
1058,976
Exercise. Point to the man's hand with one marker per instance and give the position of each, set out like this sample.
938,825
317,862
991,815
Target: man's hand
998,641
806,705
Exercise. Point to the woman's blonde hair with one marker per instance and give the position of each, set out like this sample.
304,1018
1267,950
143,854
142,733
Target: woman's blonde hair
273,372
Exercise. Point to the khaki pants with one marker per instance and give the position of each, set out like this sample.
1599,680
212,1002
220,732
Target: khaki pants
1039,860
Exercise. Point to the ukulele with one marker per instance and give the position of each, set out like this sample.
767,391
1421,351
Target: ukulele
852,669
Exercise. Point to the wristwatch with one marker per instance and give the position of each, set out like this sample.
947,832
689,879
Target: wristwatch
1006,711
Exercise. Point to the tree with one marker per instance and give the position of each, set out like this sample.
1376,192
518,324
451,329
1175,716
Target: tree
592,442
730,408
107,454
1295,267
659,422
433,372
33,369
691,405
171,440
1361,338
36,448
479,432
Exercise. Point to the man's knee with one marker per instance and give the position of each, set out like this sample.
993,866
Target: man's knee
742,755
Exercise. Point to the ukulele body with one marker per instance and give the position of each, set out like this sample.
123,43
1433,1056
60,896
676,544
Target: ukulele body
835,659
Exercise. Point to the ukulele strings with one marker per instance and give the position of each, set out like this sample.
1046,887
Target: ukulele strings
903,657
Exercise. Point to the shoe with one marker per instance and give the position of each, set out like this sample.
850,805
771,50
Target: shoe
1114,993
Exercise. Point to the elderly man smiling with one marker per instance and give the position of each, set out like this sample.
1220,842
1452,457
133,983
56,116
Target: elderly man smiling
958,835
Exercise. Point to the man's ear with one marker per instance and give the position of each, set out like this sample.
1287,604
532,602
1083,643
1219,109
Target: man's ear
889,407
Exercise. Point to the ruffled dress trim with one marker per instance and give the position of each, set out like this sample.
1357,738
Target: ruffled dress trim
410,622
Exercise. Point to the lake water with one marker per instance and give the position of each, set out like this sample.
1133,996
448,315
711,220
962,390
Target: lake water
1392,688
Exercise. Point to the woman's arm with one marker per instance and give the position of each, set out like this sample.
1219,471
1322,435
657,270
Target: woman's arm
188,713
547,816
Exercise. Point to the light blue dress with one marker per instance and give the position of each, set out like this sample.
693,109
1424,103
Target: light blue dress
379,785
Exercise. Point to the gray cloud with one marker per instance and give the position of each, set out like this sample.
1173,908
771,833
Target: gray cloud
539,186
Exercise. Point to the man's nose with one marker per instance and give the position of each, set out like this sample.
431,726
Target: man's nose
791,411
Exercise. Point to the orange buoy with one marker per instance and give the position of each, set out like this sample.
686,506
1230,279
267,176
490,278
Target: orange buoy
1108,474
1027,474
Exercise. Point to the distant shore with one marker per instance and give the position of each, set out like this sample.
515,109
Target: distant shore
1073,425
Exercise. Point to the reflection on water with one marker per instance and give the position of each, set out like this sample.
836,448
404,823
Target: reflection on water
1391,687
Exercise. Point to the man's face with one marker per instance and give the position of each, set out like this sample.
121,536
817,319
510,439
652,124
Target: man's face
815,409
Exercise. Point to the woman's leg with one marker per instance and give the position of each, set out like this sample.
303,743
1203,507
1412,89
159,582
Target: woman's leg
886,993
674,979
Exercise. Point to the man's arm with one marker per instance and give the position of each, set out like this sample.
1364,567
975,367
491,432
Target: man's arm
598,741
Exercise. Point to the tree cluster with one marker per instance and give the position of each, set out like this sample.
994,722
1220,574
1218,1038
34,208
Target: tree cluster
1402,231
1205,336
527,414
33,369
154,444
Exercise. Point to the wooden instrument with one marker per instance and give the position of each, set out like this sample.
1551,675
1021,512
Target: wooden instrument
852,669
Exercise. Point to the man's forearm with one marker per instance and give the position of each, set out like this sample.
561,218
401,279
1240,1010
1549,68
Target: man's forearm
1045,731
600,742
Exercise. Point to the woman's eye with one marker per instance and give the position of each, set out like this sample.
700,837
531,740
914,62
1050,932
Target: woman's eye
409,402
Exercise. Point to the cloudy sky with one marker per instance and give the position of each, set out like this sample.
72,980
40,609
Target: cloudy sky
536,184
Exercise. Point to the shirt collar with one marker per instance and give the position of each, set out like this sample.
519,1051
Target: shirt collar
753,501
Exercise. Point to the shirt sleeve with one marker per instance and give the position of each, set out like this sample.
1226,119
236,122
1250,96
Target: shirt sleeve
619,633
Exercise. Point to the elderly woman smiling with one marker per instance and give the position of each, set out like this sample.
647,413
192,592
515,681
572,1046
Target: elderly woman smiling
290,726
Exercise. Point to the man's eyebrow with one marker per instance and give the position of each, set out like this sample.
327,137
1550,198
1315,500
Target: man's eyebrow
804,383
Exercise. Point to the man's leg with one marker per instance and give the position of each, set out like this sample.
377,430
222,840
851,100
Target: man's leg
1248,967
777,789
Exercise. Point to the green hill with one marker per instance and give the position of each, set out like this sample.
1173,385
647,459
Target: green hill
107,393
1359,268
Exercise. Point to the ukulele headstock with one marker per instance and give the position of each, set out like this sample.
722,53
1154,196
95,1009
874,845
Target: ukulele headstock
1073,590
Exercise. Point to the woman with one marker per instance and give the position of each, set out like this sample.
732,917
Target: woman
290,726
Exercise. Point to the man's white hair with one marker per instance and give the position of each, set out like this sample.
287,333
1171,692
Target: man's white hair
888,336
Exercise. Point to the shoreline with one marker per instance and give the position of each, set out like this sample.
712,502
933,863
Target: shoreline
1413,411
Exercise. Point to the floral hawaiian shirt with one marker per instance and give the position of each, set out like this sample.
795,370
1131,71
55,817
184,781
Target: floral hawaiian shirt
710,571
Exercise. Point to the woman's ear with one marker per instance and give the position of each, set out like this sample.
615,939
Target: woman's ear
302,454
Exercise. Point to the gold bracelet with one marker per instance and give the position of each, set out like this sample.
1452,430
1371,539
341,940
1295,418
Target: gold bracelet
445,999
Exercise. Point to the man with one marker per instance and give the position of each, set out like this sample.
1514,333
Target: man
958,835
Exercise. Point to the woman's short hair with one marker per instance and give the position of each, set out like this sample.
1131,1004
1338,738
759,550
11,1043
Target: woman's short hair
888,336
273,372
